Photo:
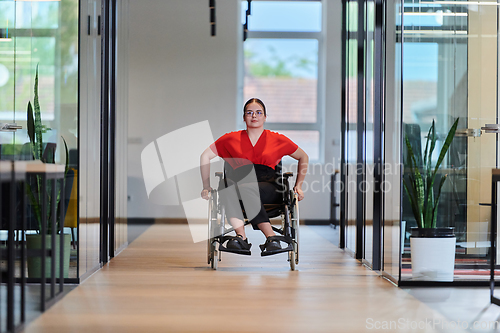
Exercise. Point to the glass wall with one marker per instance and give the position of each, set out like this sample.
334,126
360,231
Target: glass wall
90,98
351,144
43,35
121,159
440,65
91,126
369,137
41,38
39,64
362,131
450,72
391,240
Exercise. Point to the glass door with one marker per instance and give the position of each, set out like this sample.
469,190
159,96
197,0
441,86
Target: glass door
391,233
30,39
480,81
8,69
450,72
482,86
7,15
90,137
351,143
369,137
362,153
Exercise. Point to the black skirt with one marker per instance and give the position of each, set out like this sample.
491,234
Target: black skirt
244,194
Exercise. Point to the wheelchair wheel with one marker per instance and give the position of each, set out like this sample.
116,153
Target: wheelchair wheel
213,227
214,263
293,256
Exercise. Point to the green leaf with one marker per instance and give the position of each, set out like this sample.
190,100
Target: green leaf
38,121
420,188
428,183
433,139
67,156
436,202
60,195
429,207
413,203
31,131
31,123
419,193
446,145
416,182
427,146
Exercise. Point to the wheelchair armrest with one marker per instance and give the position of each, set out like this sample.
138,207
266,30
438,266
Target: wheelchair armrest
288,174
218,174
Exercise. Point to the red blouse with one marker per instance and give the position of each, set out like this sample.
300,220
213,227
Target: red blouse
268,150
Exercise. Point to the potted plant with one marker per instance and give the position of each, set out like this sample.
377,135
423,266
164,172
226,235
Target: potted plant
35,197
432,248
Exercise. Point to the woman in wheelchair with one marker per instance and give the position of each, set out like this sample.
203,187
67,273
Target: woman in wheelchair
262,150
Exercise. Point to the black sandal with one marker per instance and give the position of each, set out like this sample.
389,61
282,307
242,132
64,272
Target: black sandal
273,245
235,244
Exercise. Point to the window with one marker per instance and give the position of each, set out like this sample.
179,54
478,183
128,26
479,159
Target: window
282,66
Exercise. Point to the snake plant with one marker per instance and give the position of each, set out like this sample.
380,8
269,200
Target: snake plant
34,188
422,175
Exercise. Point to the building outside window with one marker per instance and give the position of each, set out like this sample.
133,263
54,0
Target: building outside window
281,65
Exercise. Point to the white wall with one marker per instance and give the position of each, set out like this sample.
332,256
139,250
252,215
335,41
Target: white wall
316,205
180,75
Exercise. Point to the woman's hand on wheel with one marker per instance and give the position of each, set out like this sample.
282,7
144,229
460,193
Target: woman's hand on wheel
205,194
300,193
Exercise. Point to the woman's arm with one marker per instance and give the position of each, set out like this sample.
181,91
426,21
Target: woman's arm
303,159
205,158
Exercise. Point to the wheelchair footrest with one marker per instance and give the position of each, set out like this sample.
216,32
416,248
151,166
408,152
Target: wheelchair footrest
285,239
270,253
244,252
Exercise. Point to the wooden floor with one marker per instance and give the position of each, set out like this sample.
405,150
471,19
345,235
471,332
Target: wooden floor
162,283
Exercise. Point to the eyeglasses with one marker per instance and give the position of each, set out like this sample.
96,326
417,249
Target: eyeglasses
251,113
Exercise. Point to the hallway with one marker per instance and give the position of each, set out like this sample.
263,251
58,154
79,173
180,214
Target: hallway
161,283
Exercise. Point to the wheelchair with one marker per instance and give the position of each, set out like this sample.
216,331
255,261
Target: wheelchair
288,232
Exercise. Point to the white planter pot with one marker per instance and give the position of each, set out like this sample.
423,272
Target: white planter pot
433,259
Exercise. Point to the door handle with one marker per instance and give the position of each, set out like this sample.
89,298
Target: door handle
470,132
6,127
491,128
